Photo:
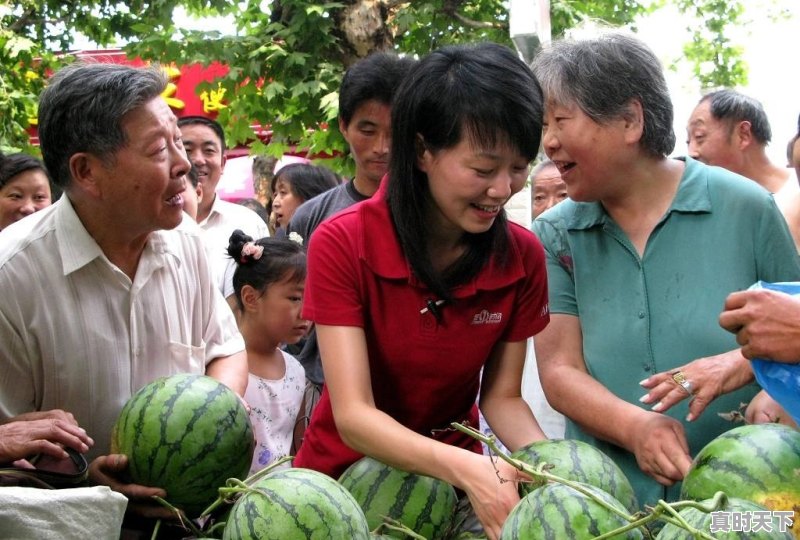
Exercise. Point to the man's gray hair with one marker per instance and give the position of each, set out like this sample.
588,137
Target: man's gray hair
729,106
82,108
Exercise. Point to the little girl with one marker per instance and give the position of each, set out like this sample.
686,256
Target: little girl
268,285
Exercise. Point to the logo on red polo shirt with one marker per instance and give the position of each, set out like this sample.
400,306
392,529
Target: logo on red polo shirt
485,317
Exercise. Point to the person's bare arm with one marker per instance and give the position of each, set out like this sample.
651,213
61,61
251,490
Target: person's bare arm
372,432
509,416
657,441
230,371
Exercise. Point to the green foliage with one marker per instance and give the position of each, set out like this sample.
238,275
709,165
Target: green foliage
716,62
24,67
287,57
16,94
420,27
566,14
284,72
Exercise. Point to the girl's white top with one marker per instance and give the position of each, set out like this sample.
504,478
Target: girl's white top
274,408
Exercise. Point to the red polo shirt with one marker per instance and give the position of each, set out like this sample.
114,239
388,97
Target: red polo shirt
425,373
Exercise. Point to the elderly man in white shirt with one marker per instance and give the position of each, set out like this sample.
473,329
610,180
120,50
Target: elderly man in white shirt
109,288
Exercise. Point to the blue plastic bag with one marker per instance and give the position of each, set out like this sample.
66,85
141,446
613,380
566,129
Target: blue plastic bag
780,380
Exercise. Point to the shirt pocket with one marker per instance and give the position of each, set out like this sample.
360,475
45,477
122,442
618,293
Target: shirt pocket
188,358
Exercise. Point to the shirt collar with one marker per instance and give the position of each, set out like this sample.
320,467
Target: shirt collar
692,197
212,212
76,246
381,251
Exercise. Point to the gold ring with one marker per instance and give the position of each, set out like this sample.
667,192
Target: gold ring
681,381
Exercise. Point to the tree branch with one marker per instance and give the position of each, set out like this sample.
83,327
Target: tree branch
24,20
476,24
451,9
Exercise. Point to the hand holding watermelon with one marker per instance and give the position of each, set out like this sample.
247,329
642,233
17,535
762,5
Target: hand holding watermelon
187,434
492,488
757,463
112,471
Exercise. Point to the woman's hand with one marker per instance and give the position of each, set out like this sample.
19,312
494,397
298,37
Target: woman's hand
660,447
111,470
492,487
707,378
762,409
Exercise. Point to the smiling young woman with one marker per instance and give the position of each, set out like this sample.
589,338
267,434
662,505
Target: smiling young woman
398,282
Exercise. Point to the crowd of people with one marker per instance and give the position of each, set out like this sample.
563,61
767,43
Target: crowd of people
386,307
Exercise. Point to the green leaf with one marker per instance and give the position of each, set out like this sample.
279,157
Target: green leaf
287,71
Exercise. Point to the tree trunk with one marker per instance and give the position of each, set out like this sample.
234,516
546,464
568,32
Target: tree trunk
262,179
362,24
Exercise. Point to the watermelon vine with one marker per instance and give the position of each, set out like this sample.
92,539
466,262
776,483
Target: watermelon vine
663,511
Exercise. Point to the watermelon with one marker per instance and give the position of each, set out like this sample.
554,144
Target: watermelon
296,504
703,521
757,462
581,462
556,511
186,434
424,504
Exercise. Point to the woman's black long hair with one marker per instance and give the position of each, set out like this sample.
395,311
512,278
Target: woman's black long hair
481,91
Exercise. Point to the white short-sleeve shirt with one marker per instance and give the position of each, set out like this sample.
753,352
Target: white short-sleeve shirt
77,334
224,218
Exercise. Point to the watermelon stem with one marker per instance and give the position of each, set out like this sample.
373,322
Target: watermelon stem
155,530
394,525
717,502
634,522
234,486
539,472
185,522
641,522
213,529
266,470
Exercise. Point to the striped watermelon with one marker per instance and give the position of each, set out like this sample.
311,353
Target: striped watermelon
186,434
558,512
703,521
581,462
296,504
758,462
423,504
